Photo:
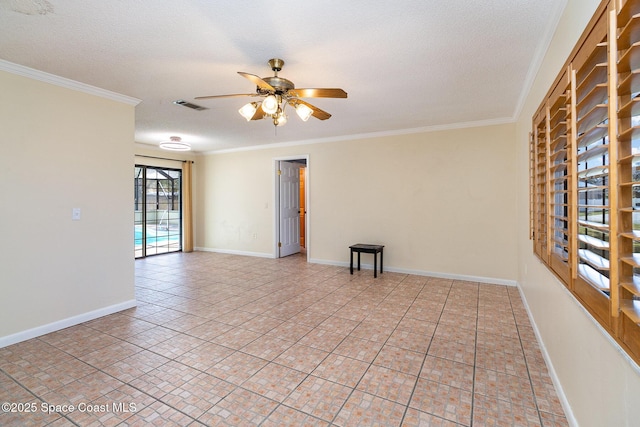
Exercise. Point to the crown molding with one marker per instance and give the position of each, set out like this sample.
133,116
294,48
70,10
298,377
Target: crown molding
31,73
398,132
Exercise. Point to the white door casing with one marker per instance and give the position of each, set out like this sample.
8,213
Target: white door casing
289,207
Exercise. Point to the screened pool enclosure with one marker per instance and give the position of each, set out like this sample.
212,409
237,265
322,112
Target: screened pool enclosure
158,210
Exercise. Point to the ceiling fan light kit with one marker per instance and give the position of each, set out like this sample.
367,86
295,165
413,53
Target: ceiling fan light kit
280,118
175,143
277,93
303,112
248,110
270,104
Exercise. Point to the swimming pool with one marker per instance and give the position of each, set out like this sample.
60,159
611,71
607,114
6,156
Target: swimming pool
155,237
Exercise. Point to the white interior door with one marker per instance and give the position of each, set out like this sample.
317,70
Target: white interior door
289,177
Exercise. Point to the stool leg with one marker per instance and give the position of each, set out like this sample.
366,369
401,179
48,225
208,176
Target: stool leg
351,263
375,265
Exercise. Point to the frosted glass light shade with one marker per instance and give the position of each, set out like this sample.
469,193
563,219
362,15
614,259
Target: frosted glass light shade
280,120
304,112
248,110
270,104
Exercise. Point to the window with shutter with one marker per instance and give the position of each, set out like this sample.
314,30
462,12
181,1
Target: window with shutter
585,172
628,88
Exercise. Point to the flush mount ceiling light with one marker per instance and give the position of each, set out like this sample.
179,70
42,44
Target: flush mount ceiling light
279,92
175,144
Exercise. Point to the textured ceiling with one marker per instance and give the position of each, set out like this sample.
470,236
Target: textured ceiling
406,65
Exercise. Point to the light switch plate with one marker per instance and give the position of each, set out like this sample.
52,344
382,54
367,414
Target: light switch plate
75,214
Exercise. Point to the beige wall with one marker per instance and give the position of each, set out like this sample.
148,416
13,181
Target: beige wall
601,385
441,202
62,149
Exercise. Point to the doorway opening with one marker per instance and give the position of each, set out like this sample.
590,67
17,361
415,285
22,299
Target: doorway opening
291,206
157,210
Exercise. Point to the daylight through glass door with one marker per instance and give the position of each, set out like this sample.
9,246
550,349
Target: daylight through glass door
157,210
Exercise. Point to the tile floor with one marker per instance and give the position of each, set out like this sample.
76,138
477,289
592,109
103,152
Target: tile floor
229,340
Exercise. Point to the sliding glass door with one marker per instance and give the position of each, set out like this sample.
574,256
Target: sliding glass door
157,210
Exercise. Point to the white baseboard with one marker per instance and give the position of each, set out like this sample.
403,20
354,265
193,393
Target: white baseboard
64,323
479,279
235,252
571,419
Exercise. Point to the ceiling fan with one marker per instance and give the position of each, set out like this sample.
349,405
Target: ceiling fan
279,92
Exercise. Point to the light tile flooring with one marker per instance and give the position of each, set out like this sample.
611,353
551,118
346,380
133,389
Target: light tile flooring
220,339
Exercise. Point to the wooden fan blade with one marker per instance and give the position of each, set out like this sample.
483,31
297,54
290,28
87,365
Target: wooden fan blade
318,93
259,114
317,113
258,81
226,96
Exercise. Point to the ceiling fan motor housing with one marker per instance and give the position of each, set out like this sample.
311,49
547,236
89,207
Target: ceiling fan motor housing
279,84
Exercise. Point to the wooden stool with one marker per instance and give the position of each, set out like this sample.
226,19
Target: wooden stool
368,249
